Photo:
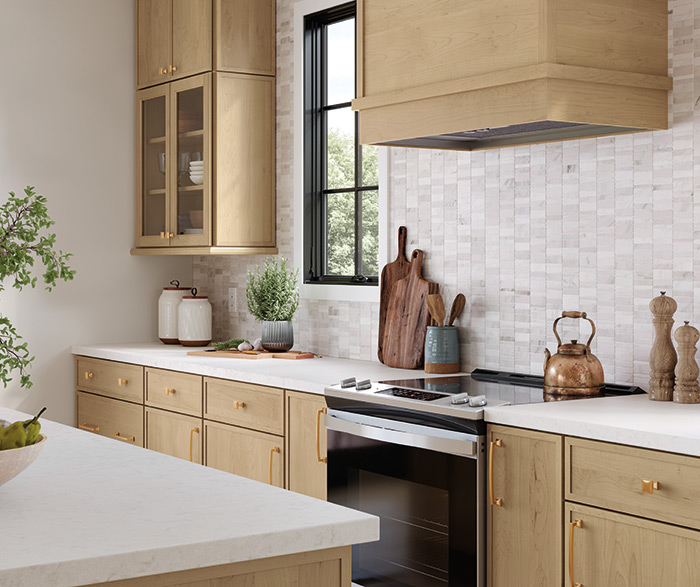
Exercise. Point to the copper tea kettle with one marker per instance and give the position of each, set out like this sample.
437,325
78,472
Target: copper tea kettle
574,370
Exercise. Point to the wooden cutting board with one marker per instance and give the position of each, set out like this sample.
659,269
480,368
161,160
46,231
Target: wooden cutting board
231,354
407,318
392,272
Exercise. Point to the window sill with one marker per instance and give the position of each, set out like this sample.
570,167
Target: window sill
339,293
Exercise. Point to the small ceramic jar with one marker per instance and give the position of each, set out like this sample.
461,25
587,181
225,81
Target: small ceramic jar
194,320
167,312
442,349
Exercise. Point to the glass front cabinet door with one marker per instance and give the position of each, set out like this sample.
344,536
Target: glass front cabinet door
175,164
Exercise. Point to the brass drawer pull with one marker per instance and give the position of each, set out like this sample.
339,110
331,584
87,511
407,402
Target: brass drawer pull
89,428
497,501
169,391
272,452
172,69
648,486
318,436
162,71
238,405
125,438
575,524
192,431
89,375
122,382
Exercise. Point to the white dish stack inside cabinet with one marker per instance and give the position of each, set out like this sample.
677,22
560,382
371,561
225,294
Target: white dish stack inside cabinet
168,304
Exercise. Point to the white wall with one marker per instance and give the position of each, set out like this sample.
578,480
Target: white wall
67,126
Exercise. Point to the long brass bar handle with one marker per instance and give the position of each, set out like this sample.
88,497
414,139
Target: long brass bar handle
575,524
272,453
492,447
318,436
124,438
192,431
89,428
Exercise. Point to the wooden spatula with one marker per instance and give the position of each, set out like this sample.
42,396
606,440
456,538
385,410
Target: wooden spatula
437,308
457,307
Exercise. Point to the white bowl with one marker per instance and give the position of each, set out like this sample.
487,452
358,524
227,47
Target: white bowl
193,167
197,179
15,460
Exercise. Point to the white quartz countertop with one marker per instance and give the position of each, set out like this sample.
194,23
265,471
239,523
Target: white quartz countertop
90,510
310,375
632,420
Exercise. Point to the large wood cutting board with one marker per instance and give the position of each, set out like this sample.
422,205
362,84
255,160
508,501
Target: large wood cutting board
392,272
407,318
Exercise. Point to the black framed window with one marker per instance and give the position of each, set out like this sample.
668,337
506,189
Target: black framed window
341,177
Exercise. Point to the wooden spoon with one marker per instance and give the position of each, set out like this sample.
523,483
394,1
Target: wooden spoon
437,308
457,307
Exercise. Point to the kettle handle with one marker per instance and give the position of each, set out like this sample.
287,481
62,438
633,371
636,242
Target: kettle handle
574,315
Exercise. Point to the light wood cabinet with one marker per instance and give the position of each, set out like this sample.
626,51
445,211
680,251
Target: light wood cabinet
607,548
306,444
173,39
244,404
229,126
109,378
110,417
524,517
178,392
176,435
248,453
178,38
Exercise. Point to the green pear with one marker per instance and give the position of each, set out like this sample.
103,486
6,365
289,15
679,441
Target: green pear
33,427
14,436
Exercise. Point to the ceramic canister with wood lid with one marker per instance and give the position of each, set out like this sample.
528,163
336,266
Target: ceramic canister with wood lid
167,312
194,320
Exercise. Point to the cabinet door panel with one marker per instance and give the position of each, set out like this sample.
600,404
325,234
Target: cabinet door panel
191,37
306,435
616,549
243,452
245,36
245,161
111,418
174,434
524,534
154,22
109,378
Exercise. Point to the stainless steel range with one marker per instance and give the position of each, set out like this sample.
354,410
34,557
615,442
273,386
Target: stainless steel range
411,451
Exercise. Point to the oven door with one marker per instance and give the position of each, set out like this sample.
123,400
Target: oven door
425,484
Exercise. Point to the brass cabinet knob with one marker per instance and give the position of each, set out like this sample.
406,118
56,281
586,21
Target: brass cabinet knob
172,69
162,235
169,391
648,486
123,382
163,71
238,405
89,375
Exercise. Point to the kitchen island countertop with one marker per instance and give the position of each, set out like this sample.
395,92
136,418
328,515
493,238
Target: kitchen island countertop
91,510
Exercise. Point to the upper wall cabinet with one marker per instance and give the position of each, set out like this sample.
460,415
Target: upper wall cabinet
470,74
176,37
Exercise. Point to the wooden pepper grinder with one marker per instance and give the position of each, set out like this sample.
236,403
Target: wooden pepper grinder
662,358
686,390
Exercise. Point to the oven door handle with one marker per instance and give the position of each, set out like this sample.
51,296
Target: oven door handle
462,448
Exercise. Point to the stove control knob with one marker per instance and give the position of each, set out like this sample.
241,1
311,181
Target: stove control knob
460,398
364,384
345,383
477,401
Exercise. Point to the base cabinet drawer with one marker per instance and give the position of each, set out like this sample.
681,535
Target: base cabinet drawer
647,483
179,392
616,549
118,380
112,418
176,435
247,453
244,404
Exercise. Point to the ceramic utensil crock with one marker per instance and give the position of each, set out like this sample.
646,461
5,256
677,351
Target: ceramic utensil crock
574,370
194,320
167,312
442,349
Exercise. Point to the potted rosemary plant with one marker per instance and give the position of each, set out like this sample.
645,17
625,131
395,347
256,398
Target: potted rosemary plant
24,222
273,298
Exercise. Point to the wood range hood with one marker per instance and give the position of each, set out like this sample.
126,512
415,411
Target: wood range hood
478,74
